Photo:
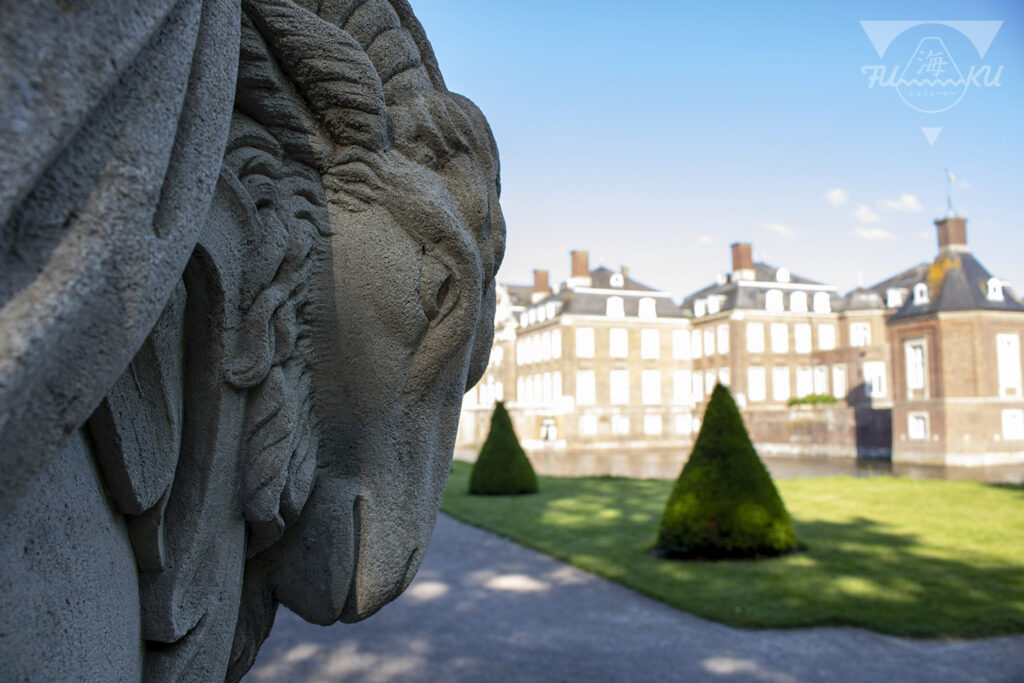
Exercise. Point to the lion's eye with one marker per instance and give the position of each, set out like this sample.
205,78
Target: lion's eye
439,288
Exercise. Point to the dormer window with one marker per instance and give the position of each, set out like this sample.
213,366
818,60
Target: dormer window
995,289
522,320
920,294
617,280
714,305
773,301
648,308
798,302
551,310
822,303
699,308
782,275
894,297
614,308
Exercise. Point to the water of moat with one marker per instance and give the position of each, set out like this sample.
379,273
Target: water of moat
665,464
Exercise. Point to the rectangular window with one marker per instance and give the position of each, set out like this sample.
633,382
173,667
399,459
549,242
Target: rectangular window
681,387
917,426
821,379
556,344
780,384
723,339
588,425
826,337
780,338
585,391
681,345
650,387
1013,425
709,382
620,425
802,338
520,353
698,387
584,342
652,424
860,334
556,386
695,344
874,378
709,342
1008,361
804,382
723,376
618,382
756,384
755,337
913,352
546,391
650,344
839,381
618,343
684,424
546,346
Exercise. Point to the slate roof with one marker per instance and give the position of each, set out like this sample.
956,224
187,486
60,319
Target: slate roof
957,282
519,295
749,297
601,279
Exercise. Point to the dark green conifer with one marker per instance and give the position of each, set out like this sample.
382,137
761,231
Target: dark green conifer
724,503
502,467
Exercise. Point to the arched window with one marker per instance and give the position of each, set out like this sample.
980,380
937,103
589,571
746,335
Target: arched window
893,297
822,303
798,302
920,294
773,301
616,280
648,308
782,275
614,308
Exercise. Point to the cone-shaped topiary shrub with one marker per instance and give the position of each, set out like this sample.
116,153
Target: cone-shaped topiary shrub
724,504
502,467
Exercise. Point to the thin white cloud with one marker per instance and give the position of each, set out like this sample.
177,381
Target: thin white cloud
783,230
906,202
837,196
875,234
705,239
866,215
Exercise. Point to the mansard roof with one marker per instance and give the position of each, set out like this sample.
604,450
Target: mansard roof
957,281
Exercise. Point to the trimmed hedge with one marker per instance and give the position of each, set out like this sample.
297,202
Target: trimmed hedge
502,467
813,400
724,504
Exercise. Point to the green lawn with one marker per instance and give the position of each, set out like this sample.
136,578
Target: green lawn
900,556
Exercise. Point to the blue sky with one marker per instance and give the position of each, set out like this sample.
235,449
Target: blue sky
656,133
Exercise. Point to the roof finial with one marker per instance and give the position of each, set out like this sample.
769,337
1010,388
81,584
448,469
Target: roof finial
950,179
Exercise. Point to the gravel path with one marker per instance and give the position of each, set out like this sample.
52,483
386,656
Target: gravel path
485,609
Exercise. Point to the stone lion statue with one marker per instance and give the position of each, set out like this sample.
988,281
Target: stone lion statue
246,274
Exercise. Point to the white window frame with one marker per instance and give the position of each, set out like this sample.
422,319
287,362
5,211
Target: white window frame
615,307
1008,364
822,302
618,342
1013,424
556,343
915,357
695,345
652,425
826,337
918,427
798,302
709,341
755,337
820,379
682,383
620,425
874,373
650,344
584,342
757,389
804,382
588,424
647,308
650,387
722,338
618,387
586,388
921,294
839,388
802,337
773,301
780,383
681,344
780,337
860,334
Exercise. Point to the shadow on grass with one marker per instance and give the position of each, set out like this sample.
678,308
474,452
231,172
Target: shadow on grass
858,571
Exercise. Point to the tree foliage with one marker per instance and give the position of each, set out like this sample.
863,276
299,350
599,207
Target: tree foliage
502,467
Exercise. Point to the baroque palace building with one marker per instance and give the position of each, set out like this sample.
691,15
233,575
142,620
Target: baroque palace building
925,365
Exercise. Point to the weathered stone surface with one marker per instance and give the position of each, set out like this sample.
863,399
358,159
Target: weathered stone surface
246,273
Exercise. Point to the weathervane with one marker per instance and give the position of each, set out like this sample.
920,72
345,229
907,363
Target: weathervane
950,179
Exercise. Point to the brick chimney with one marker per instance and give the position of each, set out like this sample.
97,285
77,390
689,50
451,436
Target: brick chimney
541,286
952,233
580,274
742,261
625,272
